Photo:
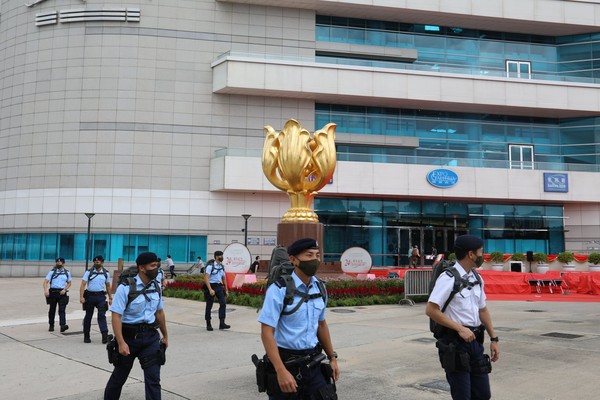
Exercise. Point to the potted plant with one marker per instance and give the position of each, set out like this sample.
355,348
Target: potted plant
566,257
542,262
497,259
518,257
594,260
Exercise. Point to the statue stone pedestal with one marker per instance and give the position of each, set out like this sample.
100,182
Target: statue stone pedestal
289,232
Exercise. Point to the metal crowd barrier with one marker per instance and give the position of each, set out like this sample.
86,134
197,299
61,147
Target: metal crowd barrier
416,283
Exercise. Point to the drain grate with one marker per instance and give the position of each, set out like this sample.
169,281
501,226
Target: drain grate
565,321
424,340
535,310
505,329
437,385
73,333
561,335
342,310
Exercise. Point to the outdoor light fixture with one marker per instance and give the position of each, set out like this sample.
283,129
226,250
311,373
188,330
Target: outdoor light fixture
87,241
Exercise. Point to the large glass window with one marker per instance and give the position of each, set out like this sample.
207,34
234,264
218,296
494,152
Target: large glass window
469,51
466,139
72,246
384,227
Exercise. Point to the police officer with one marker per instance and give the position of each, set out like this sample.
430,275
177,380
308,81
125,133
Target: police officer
303,333
215,283
56,285
465,319
95,285
160,278
134,322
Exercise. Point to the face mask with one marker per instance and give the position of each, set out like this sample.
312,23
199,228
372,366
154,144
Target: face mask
219,259
152,273
309,267
478,261
58,266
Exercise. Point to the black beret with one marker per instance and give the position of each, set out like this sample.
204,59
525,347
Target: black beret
302,244
99,258
62,260
146,258
468,242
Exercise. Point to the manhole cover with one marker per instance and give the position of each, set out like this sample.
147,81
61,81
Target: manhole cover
505,329
535,311
562,335
564,321
424,340
73,333
216,311
438,385
342,310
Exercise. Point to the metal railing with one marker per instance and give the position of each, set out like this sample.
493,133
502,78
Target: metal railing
416,283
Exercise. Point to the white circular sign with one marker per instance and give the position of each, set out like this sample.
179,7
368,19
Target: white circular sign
236,258
356,260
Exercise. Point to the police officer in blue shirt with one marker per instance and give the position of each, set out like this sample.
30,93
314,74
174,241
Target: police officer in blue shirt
95,285
137,310
302,333
160,277
56,285
215,284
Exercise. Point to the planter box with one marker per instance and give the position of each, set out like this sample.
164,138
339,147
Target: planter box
542,268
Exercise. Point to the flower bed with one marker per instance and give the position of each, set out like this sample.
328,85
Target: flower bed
340,292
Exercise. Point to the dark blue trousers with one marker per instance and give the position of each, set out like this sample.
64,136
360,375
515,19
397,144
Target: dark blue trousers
210,300
466,385
145,344
95,301
54,299
311,381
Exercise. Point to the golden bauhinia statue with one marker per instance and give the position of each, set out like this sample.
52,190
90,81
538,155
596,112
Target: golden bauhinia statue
299,164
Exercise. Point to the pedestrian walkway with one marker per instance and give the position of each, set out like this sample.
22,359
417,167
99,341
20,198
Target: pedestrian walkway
548,351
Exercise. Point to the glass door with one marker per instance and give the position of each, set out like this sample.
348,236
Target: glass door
520,156
518,69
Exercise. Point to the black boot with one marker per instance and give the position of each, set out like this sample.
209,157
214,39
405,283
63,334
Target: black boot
223,325
208,325
104,337
51,328
86,339
64,328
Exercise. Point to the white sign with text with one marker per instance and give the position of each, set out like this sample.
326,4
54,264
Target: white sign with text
236,258
356,260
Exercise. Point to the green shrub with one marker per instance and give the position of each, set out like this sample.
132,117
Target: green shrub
497,257
594,258
518,257
565,257
540,258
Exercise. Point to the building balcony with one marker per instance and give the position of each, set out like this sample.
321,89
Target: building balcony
384,84
525,16
240,170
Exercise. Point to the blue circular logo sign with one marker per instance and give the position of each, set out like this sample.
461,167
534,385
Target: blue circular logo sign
442,178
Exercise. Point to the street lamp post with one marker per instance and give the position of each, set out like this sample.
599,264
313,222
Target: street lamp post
87,241
246,216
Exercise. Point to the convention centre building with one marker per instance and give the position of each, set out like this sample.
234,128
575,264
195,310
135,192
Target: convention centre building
144,121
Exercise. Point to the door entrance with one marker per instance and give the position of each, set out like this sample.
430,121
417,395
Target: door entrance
426,238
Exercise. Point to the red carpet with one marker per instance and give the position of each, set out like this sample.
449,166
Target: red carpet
570,297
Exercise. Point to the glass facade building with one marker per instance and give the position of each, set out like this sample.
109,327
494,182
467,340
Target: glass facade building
152,118
71,246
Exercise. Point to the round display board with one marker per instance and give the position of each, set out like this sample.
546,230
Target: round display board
356,260
236,258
